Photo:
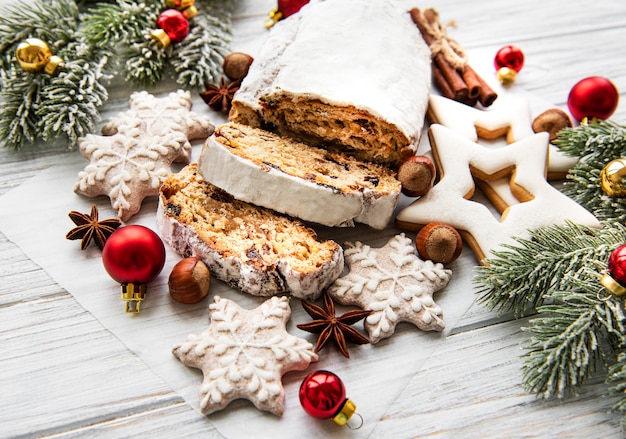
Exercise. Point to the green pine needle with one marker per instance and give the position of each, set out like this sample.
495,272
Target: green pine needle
521,277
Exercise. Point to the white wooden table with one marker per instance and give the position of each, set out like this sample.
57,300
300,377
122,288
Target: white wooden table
64,371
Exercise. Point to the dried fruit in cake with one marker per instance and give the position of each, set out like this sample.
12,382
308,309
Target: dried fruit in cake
253,249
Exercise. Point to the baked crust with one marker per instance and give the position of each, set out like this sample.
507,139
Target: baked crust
290,177
353,74
253,249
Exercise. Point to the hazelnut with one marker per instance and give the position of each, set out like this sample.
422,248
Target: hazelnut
189,281
552,121
439,242
417,175
236,65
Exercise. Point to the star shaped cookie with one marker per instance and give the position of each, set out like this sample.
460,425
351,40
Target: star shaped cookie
244,353
134,157
509,117
394,283
524,163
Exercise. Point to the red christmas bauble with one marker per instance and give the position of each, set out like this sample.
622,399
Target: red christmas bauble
133,254
617,264
175,25
290,7
509,56
322,394
593,97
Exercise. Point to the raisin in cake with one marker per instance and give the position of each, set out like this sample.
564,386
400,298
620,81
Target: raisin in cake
353,74
290,177
251,248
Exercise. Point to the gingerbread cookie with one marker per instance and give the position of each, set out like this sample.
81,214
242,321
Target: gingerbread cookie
394,283
244,353
134,156
509,117
523,163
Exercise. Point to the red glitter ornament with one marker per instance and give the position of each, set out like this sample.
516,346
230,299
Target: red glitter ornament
173,27
323,396
509,56
133,256
615,279
593,97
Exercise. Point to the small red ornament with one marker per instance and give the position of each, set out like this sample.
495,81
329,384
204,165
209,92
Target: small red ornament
615,279
284,9
511,57
593,97
173,27
323,396
133,256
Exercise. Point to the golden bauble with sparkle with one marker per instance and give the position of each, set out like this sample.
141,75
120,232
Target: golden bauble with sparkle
34,56
612,178
185,6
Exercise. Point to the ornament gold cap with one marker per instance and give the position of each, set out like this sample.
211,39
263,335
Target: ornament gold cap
347,410
133,294
190,12
273,17
507,75
161,37
612,285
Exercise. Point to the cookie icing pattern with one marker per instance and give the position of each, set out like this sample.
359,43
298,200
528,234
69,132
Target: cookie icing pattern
244,353
394,283
458,159
133,157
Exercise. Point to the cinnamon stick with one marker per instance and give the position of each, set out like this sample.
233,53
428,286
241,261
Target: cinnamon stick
441,83
452,77
487,95
473,82
461,85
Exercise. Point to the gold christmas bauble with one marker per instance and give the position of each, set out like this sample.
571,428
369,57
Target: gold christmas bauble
612,178
506,75
34,56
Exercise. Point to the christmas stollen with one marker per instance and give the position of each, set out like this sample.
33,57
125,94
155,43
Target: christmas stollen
290,177
353,74
253,249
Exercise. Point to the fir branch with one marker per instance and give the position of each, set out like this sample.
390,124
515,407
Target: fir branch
21,98
70,102
198,59
572,338
144,63
617,381
40,106
19,22
521,277
599,139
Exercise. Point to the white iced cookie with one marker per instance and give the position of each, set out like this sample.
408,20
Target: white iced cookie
459,160
133,156
394,283
244,354
509,118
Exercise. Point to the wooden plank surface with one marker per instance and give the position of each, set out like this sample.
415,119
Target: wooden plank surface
64,373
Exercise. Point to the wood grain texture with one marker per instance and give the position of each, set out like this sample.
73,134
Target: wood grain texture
64,374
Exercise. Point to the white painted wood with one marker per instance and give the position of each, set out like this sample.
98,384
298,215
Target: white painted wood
65,373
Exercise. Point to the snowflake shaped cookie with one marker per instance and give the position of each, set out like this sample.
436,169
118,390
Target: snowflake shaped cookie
244,353
394,283
135,155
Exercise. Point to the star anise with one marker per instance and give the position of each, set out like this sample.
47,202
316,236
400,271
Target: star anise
329,326
220,97
88,228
